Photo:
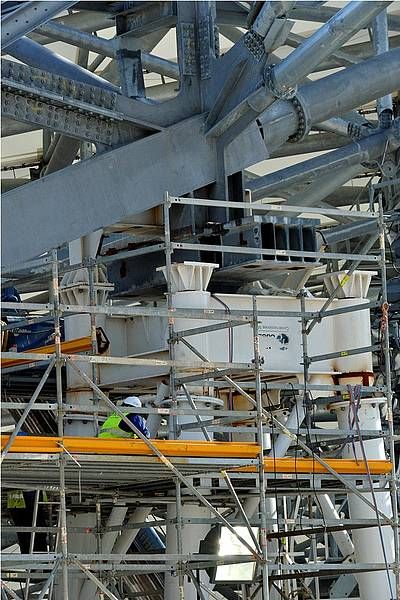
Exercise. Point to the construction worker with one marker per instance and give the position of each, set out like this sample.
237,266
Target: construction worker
115,427
21,505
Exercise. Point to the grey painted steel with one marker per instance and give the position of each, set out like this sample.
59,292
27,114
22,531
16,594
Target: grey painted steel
281,79
314,193
323,42
334,235
380,41
342,58
83,20
65,152
82,39
12,127
106,47
334,125
26,17
117,184
315,142
316,12
35,55
347,156
341,92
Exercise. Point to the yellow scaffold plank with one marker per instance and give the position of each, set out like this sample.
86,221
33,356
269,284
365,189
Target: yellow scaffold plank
70,347
190,449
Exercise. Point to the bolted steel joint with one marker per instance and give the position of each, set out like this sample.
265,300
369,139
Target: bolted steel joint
254,44
304,119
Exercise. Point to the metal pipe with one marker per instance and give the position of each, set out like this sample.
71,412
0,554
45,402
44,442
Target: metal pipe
331,36
261,474
316,142
341,92
335,125
389,393
282,78
26,17
317,191
347,156
82,39
109,48
380,40
35,55
126,539
116,518
60,424
335,235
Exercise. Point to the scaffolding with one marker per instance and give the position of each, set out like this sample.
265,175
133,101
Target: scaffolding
68,470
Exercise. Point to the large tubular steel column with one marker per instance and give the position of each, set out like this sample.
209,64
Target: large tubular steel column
281,79
331,96
380,39
320,45
373,544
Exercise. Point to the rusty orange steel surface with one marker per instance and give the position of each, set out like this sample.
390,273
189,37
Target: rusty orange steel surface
187,449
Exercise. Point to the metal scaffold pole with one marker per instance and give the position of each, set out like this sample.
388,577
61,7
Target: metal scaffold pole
172,421
389,393
262,482
63,539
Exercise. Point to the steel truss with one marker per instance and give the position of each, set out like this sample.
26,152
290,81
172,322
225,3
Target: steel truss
230,112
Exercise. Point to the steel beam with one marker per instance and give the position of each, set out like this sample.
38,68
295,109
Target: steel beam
35,55
117,184
75,109
105,47
28,16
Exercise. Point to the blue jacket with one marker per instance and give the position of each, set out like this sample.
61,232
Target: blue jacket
136,420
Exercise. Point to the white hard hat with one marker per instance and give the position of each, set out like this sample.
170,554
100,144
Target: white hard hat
132,401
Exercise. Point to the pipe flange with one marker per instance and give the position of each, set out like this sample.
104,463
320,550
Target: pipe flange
304,120
281,93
